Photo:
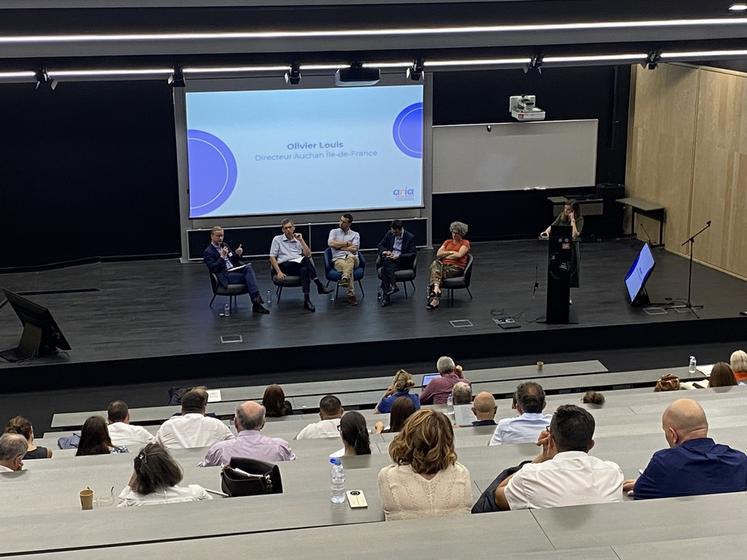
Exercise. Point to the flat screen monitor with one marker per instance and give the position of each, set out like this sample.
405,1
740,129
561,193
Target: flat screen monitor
639,273
41,336
428,377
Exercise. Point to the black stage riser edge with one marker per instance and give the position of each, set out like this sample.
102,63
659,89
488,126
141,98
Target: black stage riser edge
202,367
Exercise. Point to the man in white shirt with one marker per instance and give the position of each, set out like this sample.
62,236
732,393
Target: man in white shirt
345,243
192,428
121,432
529,402
563,474
330,412
12,449
289,254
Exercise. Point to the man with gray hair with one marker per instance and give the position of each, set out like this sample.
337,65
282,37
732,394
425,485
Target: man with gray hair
12,449
249,443
461,393
439,389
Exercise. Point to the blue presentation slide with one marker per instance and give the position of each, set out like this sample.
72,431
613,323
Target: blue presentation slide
304,150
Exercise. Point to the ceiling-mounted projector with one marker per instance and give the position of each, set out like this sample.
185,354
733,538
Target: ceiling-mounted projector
357,75
524,108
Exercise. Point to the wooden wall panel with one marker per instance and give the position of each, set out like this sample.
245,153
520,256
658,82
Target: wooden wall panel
720,177
662,144
687,150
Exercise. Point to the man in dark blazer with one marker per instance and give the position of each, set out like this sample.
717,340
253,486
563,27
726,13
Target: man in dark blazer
396,252
220,260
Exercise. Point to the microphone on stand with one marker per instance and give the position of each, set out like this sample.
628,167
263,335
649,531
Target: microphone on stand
650,242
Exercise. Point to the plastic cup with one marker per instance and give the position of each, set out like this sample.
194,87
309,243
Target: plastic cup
540,365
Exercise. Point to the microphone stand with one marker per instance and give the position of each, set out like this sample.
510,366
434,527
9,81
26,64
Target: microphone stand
691,240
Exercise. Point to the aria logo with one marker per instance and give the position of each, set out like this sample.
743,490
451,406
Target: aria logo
404,194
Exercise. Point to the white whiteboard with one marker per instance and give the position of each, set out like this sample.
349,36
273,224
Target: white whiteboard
468,158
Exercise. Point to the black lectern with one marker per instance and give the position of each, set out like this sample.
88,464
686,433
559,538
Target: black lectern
559,254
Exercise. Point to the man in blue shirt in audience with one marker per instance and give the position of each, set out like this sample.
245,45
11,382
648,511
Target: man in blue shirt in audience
694,464
529,402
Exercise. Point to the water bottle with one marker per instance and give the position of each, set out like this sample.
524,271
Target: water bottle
693,365
337,477
269,298
450,404
226,310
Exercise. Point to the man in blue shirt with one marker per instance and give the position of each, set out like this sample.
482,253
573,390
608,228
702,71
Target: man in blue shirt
529,402
694,464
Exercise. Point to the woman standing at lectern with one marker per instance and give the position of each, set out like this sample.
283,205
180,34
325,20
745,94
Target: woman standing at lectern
570,216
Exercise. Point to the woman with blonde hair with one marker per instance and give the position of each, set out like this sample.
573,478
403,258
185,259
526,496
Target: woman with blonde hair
400,387
425,480
738,363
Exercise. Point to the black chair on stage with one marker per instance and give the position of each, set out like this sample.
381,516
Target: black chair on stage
287,282
404,275
333,275
459,282
231,291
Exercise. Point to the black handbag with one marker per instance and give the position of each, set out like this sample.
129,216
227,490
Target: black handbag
249,477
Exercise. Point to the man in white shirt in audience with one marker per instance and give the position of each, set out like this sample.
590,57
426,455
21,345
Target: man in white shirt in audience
12,449
563,473
529,402
121,432
330,412
344,243
249,442
192,428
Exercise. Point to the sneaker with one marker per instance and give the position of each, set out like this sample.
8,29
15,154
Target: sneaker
385,300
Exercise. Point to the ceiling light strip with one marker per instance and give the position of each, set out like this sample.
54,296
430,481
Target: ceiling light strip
699,54
476,62
230,69
594,58
411,31
110,72
20,74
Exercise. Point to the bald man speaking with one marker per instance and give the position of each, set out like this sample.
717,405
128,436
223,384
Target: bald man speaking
694,464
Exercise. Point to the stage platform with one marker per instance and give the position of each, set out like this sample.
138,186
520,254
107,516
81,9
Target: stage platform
150,320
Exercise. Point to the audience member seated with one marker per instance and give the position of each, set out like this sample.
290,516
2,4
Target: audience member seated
593,398
95,440
461,393
563,473
121,432
402,409
721,376
330,412
249,442
738,363
400,387
484,409
192,428
529,402
155,481
354,435
274,402
425,480
667,382
19,425
694,464
12,449
439,389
